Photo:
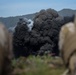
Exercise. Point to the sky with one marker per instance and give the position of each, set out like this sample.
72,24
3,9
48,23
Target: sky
23,7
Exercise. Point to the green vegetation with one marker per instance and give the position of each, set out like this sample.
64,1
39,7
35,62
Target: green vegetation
45,65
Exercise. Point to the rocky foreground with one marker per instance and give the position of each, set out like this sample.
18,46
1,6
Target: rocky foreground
44,65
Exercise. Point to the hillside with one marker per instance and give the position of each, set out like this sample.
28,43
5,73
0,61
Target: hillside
12,21
66,12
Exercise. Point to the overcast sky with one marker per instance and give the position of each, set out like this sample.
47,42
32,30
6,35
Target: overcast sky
22,7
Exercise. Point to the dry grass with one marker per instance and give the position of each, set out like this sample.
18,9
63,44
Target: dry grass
45,65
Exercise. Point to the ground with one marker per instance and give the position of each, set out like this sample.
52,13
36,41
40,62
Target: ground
45,65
